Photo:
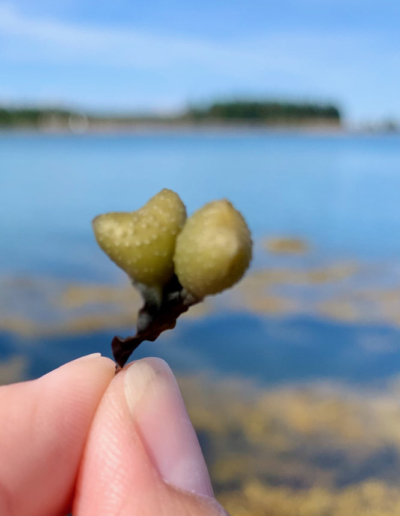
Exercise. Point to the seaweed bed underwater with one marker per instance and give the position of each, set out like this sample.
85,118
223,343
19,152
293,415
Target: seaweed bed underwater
288,426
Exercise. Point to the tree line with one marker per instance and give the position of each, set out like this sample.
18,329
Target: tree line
267,112
263,112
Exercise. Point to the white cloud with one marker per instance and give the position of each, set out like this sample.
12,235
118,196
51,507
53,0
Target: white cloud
110,45
49,40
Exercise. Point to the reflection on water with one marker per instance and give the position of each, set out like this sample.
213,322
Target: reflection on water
291,378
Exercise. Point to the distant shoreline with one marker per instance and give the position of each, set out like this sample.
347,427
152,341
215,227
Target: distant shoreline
142,128
244,116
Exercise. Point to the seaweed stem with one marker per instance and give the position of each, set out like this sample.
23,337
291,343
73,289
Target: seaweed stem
153,319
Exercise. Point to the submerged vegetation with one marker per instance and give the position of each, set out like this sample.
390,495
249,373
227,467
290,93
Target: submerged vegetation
310,451
316,449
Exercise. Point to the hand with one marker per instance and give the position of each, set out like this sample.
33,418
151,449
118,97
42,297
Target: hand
81,439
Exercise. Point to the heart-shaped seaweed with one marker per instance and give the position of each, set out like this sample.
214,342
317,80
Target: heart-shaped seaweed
142,242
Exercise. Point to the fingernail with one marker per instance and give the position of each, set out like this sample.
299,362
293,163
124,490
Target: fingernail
156,405
138,379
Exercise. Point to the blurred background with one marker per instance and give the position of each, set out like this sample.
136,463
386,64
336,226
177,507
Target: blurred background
290,110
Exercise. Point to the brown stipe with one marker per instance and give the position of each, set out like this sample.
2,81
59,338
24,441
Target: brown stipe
154,319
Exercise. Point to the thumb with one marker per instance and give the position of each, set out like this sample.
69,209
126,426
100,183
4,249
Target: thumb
142,455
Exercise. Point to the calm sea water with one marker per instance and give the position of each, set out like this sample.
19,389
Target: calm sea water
338,193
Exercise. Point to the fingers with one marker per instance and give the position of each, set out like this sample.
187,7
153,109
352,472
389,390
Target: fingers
142,455
44,425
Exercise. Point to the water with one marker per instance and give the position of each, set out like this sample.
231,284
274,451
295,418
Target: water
292,377
337,193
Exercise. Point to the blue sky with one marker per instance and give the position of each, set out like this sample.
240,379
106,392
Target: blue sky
162,54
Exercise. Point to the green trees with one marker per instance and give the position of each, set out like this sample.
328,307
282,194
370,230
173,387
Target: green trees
30,117
266,112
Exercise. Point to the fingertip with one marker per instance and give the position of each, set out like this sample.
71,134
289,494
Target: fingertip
93,363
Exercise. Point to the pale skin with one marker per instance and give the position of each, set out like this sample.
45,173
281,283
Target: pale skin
81,439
